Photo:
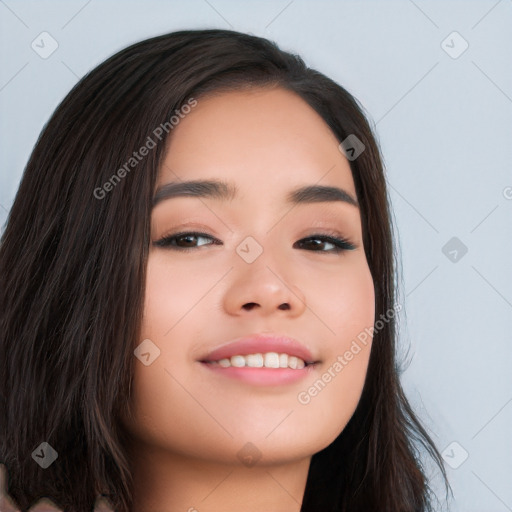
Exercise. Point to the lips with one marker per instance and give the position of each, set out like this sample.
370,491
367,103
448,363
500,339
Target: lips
259,344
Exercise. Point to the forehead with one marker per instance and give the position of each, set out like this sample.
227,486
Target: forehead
265,140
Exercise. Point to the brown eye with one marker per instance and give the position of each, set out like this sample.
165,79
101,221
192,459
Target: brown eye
317,243
185,241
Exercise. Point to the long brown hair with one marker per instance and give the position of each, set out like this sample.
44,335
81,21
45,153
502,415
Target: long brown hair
73,263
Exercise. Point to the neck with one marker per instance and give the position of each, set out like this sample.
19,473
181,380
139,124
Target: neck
174,483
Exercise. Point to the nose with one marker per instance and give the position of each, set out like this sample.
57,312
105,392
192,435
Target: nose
263,287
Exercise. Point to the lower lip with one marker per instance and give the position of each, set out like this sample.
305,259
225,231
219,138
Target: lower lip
262,376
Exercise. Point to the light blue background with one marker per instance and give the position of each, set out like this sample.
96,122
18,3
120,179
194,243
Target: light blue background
444,125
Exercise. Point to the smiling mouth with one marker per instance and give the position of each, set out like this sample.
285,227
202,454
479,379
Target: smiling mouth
262,360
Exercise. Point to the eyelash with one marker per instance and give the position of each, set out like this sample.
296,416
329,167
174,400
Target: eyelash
341,244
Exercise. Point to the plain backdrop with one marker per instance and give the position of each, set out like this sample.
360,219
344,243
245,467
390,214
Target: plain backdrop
436,81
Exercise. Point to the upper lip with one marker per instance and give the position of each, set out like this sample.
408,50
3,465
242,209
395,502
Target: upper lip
260,344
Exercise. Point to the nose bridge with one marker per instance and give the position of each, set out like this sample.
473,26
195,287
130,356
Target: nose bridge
263,253
263,279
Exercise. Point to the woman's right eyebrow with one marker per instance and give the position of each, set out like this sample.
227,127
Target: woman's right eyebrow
226,191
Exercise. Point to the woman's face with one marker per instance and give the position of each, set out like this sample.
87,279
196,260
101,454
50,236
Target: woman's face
259,269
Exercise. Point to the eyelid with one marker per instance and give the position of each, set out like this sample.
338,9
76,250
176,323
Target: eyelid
335,237
318,231
163,239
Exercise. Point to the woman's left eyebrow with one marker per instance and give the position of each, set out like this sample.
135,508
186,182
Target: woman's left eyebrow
226,191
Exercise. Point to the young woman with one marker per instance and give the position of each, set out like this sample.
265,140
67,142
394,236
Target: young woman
198,305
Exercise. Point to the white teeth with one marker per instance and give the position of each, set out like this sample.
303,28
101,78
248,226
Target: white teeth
254,360
238,361
271,360
267,360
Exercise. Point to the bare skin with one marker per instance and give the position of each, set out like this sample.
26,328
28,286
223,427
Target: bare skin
189,425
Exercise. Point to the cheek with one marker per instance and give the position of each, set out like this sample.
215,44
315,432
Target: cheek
340,302
345,304
164,414
343,301
172,292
